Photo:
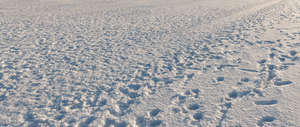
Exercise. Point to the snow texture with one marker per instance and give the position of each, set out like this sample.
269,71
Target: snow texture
150,63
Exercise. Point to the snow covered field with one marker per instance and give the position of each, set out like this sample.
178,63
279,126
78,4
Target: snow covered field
150,63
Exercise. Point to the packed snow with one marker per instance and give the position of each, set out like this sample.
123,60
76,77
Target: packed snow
150,63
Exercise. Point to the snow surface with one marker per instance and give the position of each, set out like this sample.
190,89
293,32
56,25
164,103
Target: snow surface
128,63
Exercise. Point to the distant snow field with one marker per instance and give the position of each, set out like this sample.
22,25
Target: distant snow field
150,63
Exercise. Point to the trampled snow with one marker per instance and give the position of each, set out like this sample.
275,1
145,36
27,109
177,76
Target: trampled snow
150,63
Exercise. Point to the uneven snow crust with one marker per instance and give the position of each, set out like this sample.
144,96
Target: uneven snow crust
150,63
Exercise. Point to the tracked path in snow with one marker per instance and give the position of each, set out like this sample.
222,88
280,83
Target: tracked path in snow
149,64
